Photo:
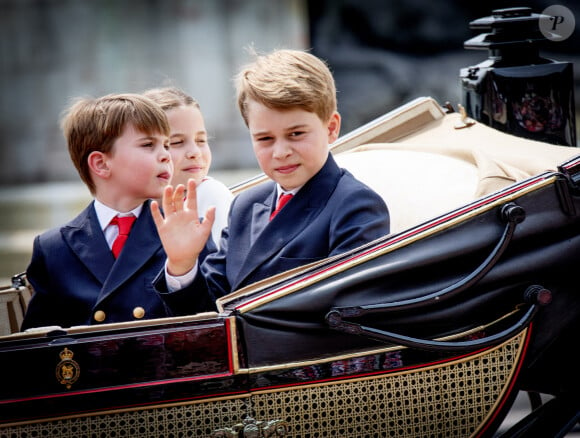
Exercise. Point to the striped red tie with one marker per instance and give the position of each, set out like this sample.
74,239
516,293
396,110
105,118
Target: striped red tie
124,223
282,201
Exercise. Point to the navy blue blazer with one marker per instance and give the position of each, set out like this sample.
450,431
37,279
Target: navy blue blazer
74,274
331,214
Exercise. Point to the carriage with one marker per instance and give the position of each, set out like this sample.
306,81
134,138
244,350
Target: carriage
432,330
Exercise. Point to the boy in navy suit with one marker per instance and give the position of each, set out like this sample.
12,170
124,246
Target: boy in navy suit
119,145
288,101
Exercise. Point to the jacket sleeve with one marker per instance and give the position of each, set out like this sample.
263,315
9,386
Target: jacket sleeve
360,217
194,298
43,308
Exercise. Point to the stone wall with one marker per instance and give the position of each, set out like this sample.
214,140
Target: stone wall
54,50
383,53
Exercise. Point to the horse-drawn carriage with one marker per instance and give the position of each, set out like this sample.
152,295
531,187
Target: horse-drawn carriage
431,330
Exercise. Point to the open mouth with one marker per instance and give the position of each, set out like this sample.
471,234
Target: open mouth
166,176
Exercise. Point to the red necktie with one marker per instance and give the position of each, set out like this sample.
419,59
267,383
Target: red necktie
124,223
282,201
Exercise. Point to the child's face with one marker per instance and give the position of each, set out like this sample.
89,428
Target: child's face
188,145
291,146
139,165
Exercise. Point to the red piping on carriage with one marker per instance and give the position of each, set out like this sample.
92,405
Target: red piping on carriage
120,387
375,373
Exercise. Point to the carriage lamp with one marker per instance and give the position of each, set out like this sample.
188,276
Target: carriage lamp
516,90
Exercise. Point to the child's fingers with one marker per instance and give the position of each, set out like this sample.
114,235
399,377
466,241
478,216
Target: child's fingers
156,213
167,200
191,199
178,196
209,217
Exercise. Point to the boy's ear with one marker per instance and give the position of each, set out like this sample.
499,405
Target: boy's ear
333,127
98,164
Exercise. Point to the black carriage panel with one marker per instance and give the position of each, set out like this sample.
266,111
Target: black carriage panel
459,279
63,373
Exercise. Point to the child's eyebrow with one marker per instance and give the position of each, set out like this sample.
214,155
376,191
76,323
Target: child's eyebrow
301,126
260,133
150,137
288,129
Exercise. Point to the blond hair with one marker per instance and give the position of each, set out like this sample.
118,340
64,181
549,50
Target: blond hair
170,97
286,79
93,124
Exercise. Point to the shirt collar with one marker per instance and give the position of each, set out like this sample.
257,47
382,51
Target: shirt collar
280,190
105,213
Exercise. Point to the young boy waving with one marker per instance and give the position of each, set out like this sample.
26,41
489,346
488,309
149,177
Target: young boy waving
98,268
288,101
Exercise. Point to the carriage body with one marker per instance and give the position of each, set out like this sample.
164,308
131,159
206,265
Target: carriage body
431,330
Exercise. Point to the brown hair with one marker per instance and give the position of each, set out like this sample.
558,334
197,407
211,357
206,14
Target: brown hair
93,124
286,79
170,97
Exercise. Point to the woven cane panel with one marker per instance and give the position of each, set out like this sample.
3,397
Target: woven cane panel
448,401
444,401
194,420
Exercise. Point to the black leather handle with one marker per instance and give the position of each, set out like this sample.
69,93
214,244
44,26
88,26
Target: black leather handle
511,213
535,296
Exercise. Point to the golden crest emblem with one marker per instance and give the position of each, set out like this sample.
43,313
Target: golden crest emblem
67,370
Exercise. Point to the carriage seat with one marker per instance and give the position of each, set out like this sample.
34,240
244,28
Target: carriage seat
416,185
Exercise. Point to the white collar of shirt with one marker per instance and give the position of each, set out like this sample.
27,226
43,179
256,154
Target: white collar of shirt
280,191
106,214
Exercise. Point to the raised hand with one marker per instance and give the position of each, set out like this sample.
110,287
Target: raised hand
180,229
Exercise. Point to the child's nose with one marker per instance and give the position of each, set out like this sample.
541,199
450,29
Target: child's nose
281,149
192,151
165,155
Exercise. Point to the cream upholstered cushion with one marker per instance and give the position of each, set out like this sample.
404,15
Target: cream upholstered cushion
415,185
439,168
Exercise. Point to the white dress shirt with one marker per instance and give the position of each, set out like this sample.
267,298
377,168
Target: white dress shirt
105,214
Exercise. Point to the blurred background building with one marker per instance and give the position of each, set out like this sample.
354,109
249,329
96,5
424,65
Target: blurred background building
383,53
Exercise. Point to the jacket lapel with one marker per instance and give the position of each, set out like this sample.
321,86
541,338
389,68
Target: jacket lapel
261,216
85,238
142,244
269,237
